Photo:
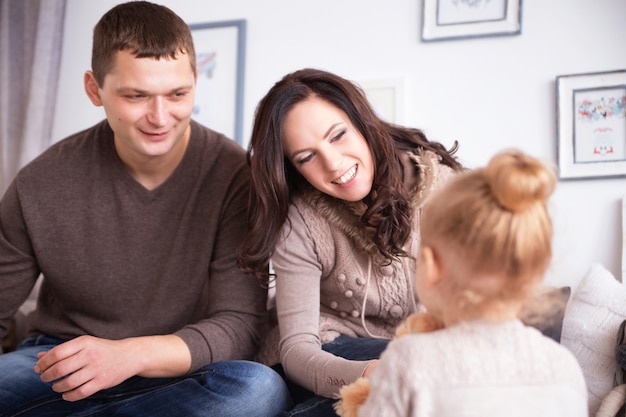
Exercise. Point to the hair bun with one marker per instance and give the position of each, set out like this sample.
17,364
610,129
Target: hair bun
518,181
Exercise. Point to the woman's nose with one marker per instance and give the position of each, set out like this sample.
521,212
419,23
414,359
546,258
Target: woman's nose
332,158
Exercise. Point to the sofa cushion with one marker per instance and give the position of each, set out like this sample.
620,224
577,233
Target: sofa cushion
545,311
590,327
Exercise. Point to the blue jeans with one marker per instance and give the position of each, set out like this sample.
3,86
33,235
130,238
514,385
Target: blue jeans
358,349
228,388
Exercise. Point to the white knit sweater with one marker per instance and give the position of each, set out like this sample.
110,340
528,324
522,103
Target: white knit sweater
477,369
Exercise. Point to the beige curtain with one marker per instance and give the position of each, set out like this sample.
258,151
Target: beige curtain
31,35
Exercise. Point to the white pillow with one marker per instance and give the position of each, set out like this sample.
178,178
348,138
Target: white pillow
592,319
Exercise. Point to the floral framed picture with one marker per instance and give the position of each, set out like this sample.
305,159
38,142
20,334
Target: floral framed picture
220,57
591,124
462,19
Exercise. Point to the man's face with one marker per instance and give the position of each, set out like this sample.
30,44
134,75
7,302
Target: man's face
148,104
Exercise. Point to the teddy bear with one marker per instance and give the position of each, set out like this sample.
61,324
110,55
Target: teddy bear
351,396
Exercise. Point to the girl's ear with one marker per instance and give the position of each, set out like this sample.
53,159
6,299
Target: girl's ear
92,89
432,264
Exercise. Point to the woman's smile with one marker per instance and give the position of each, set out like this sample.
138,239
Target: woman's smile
348,176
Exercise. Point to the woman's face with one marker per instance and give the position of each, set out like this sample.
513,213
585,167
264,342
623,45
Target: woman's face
324,146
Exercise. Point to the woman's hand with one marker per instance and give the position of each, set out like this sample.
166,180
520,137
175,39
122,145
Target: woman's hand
370,368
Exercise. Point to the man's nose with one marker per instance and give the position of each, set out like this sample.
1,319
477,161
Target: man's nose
157,112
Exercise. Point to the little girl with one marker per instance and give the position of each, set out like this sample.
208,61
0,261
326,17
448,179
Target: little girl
486,243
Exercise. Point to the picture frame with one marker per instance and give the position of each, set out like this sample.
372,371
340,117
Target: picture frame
386,96
624,238
220,56
465,19
591,124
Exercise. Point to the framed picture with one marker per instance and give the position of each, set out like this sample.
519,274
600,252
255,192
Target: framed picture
591,124
386,95
461,19
220,55
624,238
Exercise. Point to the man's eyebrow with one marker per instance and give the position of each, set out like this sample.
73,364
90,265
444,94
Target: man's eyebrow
144,92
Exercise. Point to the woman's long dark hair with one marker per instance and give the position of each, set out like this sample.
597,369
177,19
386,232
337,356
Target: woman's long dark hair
275,180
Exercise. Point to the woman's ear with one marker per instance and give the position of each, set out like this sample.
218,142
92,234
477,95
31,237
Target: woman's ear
432,265
92,89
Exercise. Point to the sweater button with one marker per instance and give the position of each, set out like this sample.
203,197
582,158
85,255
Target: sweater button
387,270
343,314
348,294
334,305
396,311
341,277
355,313
360,281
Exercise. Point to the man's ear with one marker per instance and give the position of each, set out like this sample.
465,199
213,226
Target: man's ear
92,89
432,264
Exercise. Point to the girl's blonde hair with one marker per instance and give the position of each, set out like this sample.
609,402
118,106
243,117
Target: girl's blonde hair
495,222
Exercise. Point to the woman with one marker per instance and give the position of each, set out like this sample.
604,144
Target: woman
335,202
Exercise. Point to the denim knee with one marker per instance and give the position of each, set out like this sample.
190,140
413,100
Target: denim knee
251,388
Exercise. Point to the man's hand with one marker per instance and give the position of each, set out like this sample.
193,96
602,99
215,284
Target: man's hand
85,365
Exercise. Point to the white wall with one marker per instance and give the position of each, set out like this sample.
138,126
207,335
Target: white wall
488,93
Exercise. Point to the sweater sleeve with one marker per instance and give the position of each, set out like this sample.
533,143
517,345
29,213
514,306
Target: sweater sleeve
298,275
236,305
18,269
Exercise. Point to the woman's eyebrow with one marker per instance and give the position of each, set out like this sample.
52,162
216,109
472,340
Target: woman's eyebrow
330,129
326,135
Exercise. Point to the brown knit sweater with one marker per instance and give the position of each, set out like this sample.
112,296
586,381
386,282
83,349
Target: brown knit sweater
119,260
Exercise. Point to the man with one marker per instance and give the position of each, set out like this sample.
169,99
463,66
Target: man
134,225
